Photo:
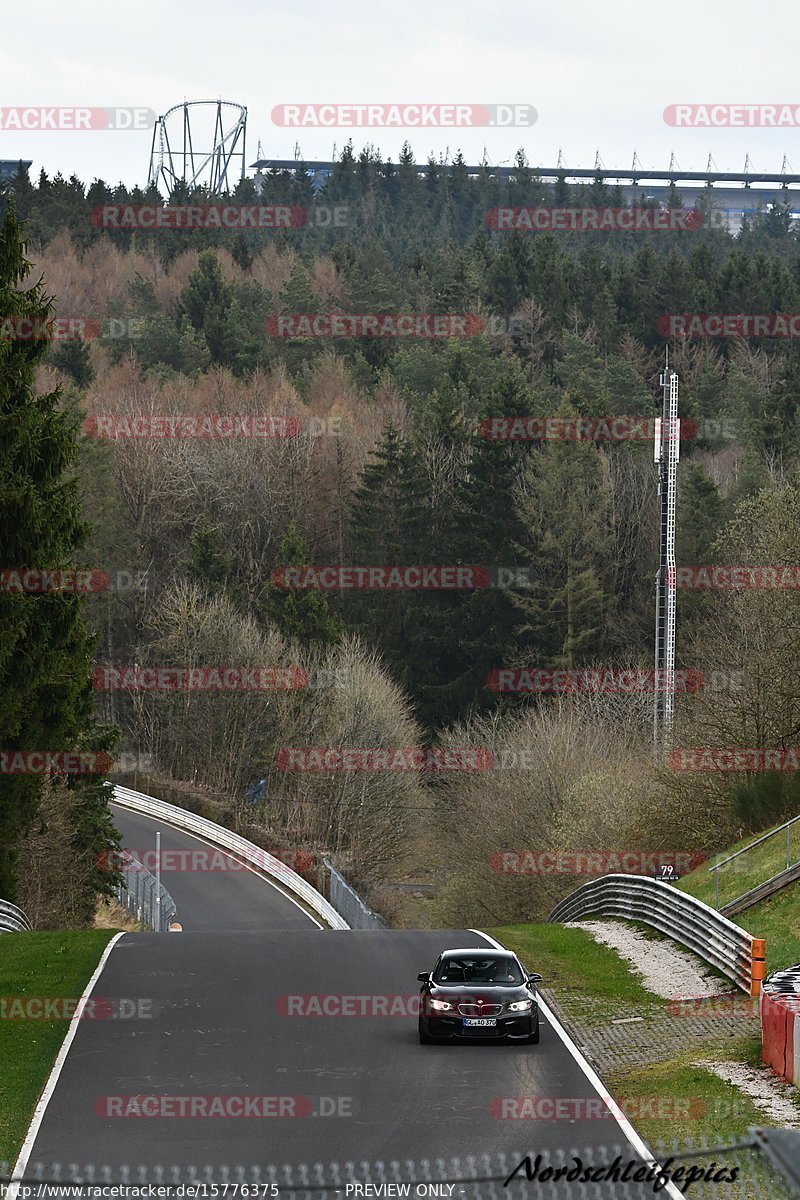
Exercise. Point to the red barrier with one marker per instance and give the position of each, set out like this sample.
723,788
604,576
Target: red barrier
774,1016
780,1032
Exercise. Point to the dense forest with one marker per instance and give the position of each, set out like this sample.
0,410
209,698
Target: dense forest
388,464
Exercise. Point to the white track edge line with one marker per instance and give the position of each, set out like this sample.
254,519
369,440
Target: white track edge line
228,854
52,1080
633,1137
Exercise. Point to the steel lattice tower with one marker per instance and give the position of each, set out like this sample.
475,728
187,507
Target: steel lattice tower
667,455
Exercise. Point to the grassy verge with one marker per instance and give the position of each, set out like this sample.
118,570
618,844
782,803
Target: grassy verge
667,1096
111,915
696,1102
37,964
745,872
574,964
776,919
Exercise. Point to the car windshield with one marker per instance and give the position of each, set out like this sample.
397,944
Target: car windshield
501,972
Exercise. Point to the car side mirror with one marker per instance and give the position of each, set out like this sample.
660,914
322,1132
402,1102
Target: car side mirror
534,977
424,976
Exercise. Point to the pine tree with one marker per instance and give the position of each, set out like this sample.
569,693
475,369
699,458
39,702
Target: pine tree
699,519
298,295
387,522
474,633
206,301
211,563
563,501
46,697
390,527
301,614
73,358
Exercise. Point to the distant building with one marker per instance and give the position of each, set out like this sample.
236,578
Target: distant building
733,194
8,166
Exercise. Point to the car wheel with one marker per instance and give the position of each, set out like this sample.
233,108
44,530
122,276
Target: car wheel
424,1038
533,1040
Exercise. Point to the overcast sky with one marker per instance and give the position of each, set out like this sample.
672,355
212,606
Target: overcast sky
599,74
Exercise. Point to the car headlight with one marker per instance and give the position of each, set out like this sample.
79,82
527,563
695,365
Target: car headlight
520,1006
440,1005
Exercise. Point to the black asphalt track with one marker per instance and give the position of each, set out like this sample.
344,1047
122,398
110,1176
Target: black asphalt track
214,1007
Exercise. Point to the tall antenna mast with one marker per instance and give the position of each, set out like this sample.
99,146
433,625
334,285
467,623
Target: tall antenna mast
666,455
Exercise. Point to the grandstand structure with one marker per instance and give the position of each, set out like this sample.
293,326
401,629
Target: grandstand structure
9,166
735,194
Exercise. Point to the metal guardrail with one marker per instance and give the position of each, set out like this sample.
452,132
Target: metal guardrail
13,919
762,892
681,917
763,838
784,983
349,904
143,896
787,825
241,847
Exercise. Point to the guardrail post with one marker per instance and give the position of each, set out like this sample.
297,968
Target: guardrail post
759,965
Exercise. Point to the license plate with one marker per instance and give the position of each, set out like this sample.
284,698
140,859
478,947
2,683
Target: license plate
472,1021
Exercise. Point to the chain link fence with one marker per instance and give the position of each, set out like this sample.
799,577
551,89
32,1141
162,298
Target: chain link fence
226,839
765,1165
145,899
349,904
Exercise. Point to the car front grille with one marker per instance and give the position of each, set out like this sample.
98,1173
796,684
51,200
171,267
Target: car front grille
480,1010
